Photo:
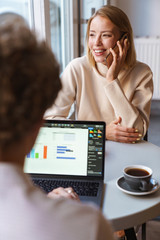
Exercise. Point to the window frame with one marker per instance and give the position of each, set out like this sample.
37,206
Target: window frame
41,19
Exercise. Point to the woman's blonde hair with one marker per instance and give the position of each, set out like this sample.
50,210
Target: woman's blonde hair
119,19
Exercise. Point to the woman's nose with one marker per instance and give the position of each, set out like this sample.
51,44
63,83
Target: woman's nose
98,40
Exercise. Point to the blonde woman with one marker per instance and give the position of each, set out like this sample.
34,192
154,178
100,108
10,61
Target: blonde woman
108,84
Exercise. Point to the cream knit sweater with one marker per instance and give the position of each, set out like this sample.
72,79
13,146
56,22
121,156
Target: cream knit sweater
129,96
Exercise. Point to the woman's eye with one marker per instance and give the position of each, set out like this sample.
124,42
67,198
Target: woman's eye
106,35
91,34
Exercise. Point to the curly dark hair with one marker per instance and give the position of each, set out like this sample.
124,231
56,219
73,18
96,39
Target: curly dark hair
29,80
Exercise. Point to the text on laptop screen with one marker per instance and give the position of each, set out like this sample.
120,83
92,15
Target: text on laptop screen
69,148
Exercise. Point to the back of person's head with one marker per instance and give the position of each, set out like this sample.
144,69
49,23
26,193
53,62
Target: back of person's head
7,16
121,21
29,78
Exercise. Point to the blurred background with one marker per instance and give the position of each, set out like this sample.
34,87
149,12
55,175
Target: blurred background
62,23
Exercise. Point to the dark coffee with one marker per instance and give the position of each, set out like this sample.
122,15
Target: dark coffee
137,172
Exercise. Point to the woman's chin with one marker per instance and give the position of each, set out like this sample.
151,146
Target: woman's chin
103,61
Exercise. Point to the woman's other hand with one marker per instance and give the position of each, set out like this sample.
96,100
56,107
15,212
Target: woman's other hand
63,192
118,133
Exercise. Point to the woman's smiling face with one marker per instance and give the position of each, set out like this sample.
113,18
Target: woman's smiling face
103,35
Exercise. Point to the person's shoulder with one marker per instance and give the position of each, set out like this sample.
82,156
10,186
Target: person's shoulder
79,215
141,66
80,62
74,216
67,206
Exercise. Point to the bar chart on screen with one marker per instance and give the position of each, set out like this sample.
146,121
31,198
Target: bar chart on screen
38,152
58,151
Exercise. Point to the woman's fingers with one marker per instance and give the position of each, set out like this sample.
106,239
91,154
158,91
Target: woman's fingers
118,133
117,121
63,192
58,192
118,60
126,139
72,193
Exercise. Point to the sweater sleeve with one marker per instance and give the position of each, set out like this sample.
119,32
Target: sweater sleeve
135,111
66,96
104,230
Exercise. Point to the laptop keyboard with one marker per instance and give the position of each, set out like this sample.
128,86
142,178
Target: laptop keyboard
81,188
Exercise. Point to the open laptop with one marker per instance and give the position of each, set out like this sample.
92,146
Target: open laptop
72,154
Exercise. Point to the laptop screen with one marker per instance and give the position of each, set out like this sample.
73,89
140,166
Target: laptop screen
68,148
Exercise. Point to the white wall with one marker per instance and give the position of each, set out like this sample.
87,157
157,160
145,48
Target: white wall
143,14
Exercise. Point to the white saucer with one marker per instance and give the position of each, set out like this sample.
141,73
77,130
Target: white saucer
123,186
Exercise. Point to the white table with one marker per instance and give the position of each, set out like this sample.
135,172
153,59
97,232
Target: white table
123,210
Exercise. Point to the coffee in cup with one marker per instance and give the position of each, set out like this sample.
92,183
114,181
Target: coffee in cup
138,177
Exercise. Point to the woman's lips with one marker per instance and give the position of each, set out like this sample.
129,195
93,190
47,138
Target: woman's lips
99,52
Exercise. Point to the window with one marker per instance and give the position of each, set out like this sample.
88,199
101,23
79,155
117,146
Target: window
22,7
63,30
86,9
51,21
62,23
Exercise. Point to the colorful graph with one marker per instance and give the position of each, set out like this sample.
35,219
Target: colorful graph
45,152
34,153
91,131
90,135
99,131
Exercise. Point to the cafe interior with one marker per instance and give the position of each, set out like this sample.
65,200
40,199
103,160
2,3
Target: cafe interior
63,24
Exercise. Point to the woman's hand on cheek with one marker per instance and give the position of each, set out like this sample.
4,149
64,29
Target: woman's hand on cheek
116,132
118,61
